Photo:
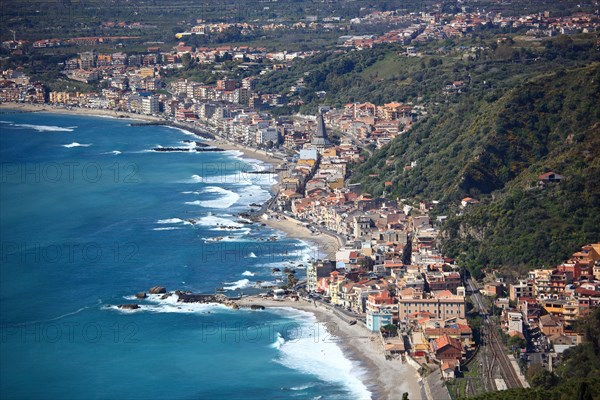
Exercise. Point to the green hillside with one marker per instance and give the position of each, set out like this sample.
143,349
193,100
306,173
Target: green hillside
549,125
492,145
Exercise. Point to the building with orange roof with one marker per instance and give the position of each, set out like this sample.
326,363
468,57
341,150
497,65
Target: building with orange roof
460,332
447,348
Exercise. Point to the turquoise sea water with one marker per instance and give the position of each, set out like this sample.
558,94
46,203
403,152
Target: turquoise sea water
89,217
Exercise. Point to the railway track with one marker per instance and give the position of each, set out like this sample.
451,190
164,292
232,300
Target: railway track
508,372
499,357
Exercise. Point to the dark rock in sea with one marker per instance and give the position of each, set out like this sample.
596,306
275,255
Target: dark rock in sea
141,295
128,306
202,148
198,298
170,149
165,296
257,307
158,290
243,221
275,270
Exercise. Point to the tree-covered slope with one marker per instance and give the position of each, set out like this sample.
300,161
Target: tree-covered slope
492,146
475,146
550,125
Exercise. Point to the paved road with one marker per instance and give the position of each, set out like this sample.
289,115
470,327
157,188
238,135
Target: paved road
340,238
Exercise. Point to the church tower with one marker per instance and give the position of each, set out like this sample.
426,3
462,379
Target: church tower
320,140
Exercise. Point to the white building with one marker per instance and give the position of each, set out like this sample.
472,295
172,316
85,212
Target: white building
265,135
150,105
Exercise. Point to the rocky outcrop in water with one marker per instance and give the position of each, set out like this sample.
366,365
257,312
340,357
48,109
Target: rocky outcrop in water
158,290
186,149
188,297
128,306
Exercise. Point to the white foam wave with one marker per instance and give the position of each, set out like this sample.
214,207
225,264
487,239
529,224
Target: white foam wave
241,284
252,255
173,221
232,238
184,131
218,223
166,228
248,273
303,387
227,199
169,305
235,178
238,237
75,144
278,342
321,356
46,128
269,284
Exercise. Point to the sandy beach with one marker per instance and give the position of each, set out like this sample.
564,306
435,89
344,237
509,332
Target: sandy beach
324,245
27,107
249,152
386,379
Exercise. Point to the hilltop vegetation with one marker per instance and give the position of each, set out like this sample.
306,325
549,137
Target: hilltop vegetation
515,121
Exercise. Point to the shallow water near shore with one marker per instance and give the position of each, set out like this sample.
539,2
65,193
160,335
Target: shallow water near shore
91,216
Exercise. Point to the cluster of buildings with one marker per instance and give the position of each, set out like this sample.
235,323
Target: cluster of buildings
436,25
16,86
17,45
425,298
203,28
389,272
232,108
370,123
552,299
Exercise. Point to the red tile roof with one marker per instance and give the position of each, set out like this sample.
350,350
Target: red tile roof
444,341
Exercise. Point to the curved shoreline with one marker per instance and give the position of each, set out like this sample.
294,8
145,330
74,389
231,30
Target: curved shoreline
385,379
381,376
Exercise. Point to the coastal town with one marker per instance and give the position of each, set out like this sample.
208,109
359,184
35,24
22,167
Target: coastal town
382,271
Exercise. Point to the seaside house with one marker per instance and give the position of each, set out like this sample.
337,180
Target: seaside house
380,310
446,348
378,319
316,270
